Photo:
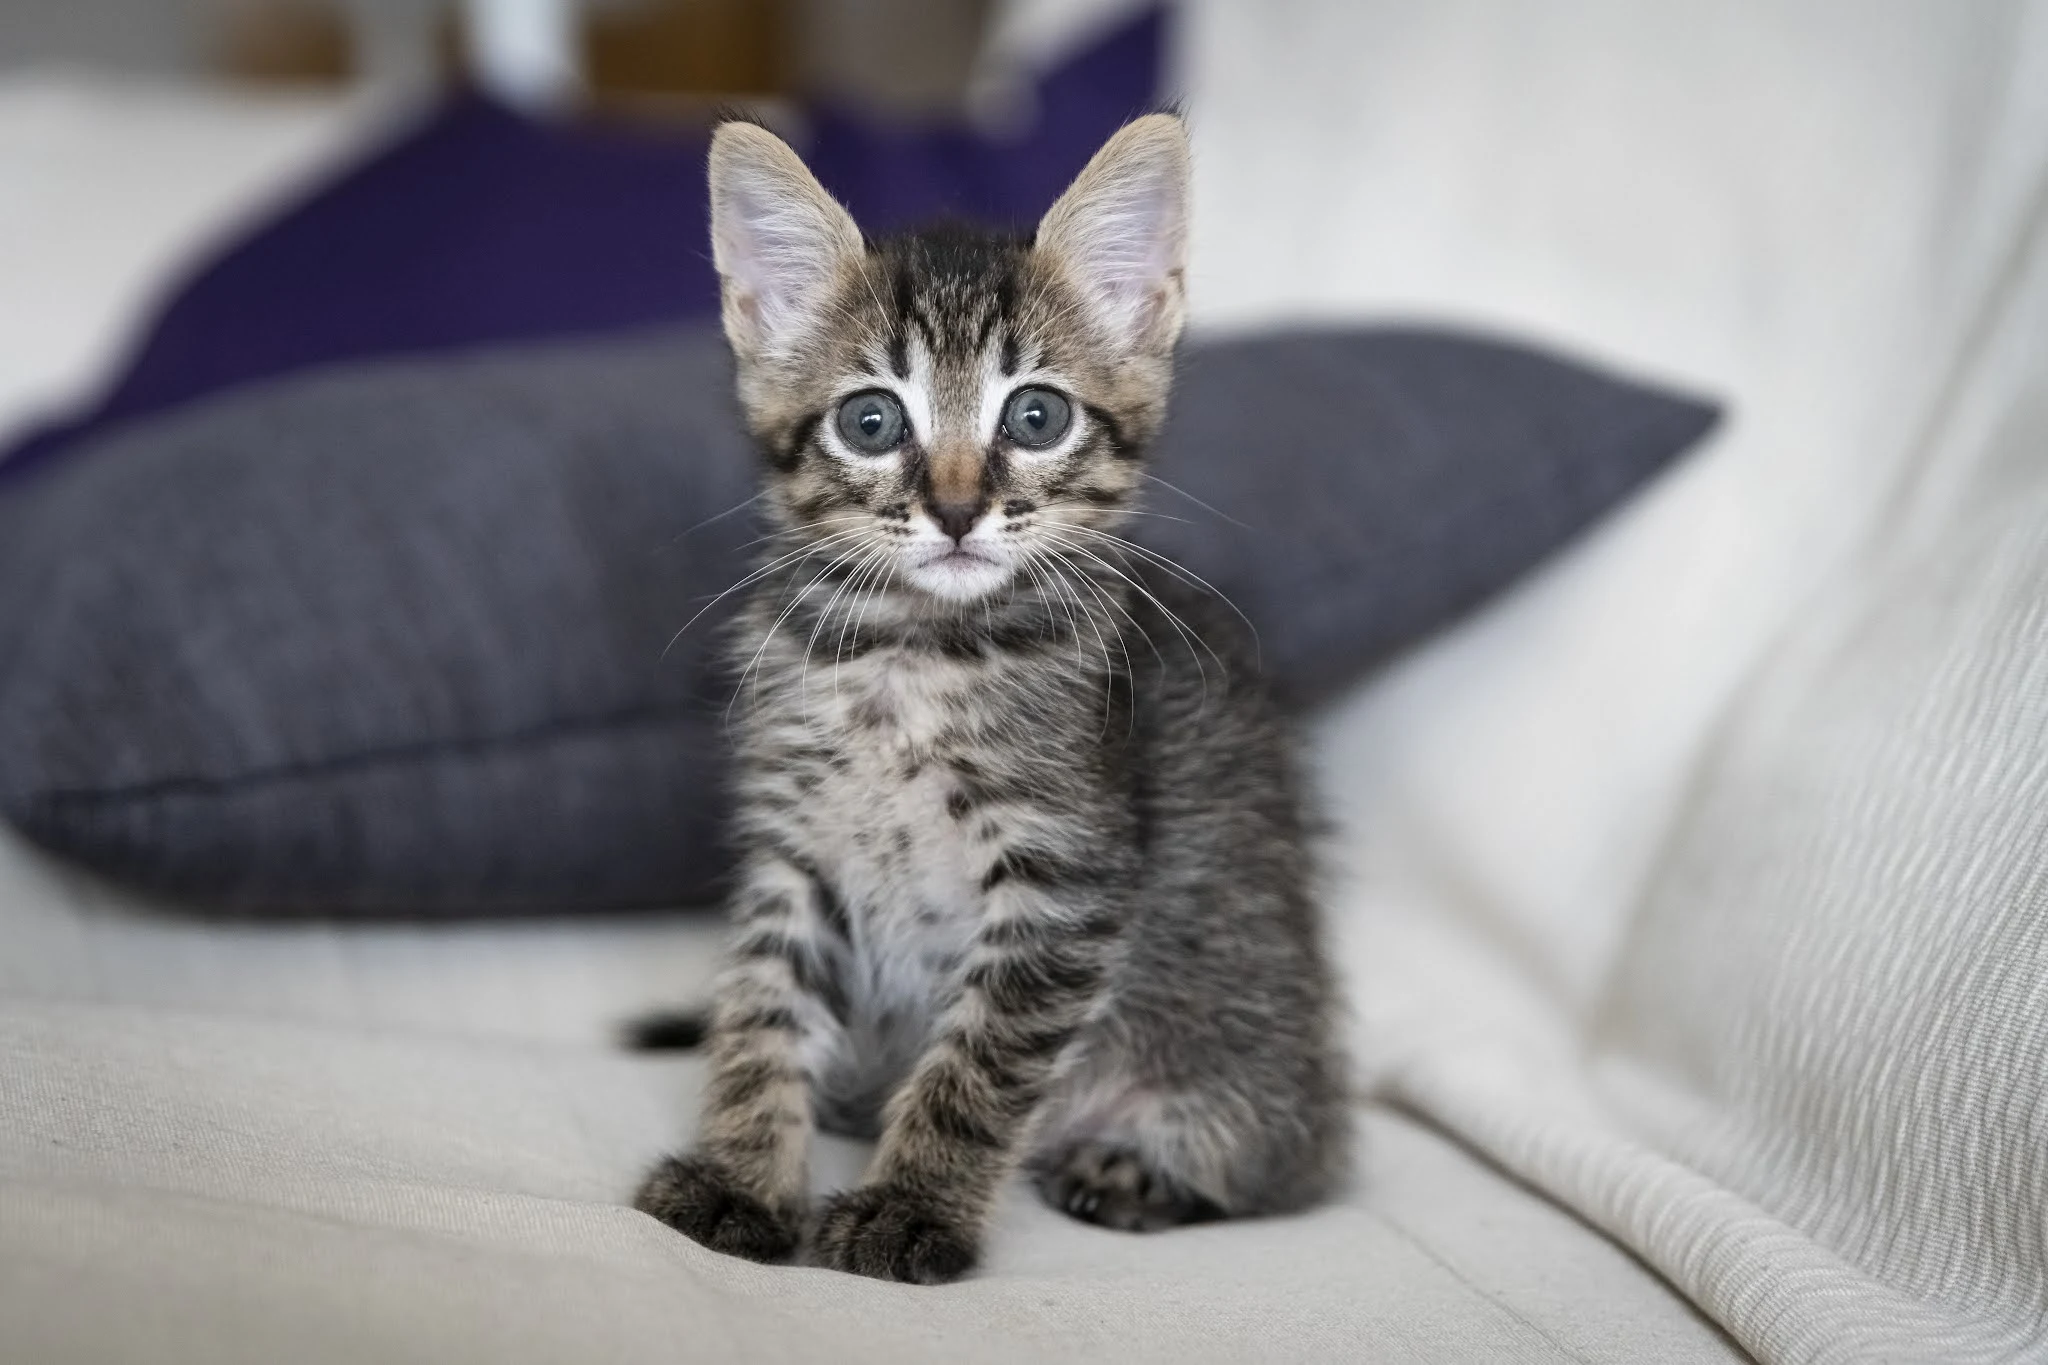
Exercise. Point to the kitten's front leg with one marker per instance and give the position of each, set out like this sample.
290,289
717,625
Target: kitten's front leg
954,1128
742,1191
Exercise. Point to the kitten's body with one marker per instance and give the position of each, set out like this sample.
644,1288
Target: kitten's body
1025,875
1165,775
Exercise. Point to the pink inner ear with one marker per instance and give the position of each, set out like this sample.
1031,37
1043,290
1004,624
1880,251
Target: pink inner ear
748,307
1126,250
776,250
750,222
1146,316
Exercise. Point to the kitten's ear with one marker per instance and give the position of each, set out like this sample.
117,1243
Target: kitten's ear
1120,232
778,240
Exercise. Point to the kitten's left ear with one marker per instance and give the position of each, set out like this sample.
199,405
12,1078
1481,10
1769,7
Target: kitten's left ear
778,239
1120,232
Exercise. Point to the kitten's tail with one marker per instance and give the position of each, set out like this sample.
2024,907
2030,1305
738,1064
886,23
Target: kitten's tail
666,1030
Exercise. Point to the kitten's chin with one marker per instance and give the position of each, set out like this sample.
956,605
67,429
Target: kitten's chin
959,576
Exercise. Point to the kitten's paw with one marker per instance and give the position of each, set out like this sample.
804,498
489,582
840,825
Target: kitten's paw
1106,1184
890,1232
694,1195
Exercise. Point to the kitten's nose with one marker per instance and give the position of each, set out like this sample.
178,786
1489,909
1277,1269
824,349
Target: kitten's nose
956,519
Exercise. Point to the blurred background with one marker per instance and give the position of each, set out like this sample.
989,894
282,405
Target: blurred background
906,55
138,136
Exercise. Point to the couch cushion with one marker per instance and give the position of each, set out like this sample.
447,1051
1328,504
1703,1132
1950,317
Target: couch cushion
251,1191
341,1142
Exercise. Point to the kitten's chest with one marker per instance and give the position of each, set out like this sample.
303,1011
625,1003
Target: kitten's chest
882,824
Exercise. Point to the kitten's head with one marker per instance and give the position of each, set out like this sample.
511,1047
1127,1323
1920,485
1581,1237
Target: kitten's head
954,403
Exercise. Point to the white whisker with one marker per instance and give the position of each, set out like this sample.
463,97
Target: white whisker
1181,572
753,577
712,520
824,619
1189,636
1176,488
768,638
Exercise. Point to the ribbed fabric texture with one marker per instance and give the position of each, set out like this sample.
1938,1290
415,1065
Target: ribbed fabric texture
1817,1096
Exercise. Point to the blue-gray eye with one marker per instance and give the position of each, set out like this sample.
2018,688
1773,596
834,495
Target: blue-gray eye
872,422
1035,418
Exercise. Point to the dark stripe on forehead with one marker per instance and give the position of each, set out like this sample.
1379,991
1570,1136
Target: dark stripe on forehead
923,321
899,324
1002,307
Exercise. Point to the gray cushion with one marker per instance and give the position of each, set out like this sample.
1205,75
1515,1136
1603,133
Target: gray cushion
1366,486
398,638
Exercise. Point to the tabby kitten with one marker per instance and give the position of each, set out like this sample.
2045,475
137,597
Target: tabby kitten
1025,878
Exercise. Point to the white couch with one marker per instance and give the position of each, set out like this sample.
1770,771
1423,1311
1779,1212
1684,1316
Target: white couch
1694,897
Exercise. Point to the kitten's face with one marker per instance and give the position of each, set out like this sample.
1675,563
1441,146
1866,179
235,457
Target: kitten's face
939,410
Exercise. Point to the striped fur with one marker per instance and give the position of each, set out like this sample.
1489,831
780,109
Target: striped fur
1026,880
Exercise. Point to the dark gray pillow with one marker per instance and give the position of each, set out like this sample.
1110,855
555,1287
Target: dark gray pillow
403,638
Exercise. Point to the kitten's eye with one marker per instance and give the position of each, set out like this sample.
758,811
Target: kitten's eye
1035,418
872,422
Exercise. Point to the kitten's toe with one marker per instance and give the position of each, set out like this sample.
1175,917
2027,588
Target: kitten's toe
694,1195
889,1232
1111,1186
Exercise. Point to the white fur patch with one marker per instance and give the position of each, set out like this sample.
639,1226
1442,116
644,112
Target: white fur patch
907,873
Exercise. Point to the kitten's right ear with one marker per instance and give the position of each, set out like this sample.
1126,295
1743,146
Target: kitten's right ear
778,240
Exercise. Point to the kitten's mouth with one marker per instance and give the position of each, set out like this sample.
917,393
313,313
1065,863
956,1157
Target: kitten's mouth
959,574
959,557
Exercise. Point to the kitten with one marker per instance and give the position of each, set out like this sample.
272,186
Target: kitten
1024,877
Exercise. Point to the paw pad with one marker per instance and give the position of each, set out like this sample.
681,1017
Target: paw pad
1110,1186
